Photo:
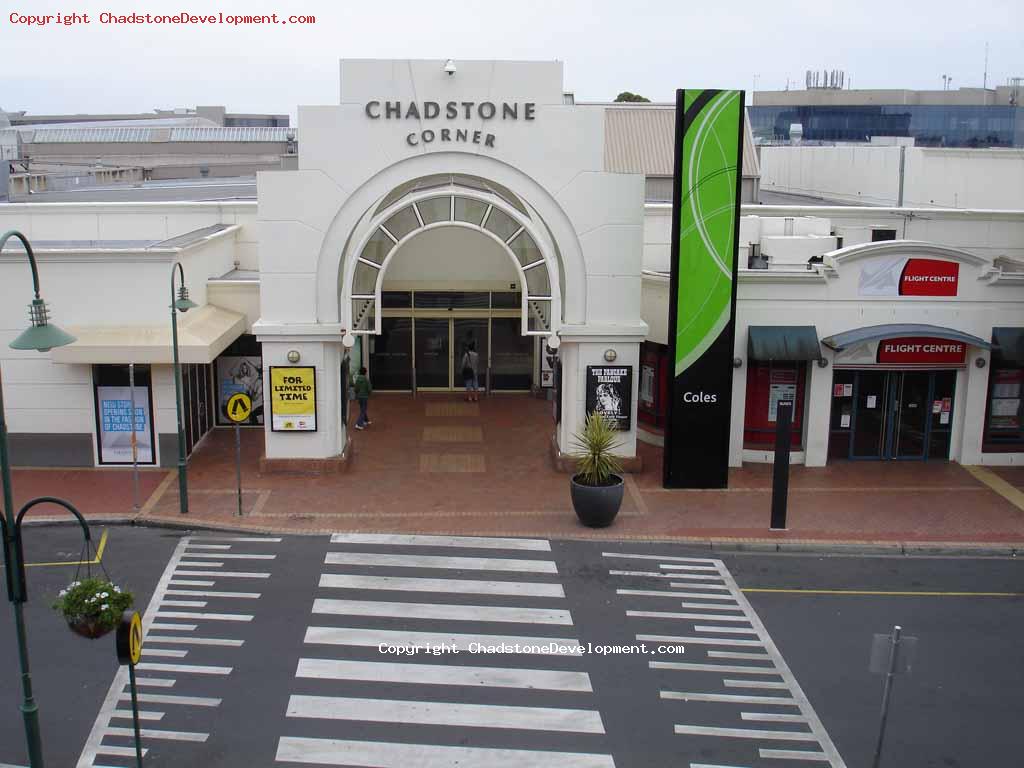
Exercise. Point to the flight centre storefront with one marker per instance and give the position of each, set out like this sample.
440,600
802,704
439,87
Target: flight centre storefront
435,209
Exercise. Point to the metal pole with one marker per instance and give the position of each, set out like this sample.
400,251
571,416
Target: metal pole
182,477
135,441
135,715
29,710
238,464
885,694
780,470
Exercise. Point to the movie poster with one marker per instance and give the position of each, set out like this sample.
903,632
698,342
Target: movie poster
610,393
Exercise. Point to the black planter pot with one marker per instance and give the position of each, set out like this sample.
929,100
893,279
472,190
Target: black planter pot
596,505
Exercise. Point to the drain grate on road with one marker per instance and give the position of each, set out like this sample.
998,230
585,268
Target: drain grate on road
452,462
453,435
443,410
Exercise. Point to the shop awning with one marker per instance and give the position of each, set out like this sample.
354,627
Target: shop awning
783,342
896,330
203,334
1008,347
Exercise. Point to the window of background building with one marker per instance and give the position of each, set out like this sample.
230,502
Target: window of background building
1004,414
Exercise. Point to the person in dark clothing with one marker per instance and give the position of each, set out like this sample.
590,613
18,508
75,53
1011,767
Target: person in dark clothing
363,390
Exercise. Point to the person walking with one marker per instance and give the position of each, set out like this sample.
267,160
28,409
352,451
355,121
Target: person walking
363,390
470,372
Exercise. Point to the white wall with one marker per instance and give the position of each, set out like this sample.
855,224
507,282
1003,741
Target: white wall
865,174
451,256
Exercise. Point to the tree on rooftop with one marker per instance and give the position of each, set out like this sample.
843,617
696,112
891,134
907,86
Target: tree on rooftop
629,96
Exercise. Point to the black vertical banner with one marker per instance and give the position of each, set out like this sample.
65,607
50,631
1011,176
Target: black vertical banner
702,303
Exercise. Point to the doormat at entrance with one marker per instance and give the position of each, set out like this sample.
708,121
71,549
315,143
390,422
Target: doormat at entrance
452,462
453,435
442,410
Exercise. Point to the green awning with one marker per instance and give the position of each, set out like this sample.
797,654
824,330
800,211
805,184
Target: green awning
1008,347
783,342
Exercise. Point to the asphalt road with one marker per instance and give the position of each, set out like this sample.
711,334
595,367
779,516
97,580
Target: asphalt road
293,671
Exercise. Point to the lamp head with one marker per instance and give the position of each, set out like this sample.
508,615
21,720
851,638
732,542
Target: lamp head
41,336
184,303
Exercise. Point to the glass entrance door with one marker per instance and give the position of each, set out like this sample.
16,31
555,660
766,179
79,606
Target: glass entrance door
433,353
468,332
910,413
871,394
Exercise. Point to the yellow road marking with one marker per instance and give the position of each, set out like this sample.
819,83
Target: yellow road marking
1013,495
95,561
884,593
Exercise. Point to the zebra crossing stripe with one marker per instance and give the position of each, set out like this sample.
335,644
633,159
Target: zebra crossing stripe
698,640
151,733
744,733
440,561
444,674
664,558
793,754
446,713
698,616
555,646
167,698
475,542
460,586
143,714
442,611
665,593
772,717
378,754
195,641
226,574
682,666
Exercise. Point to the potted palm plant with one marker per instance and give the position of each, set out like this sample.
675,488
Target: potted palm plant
93,607
597,486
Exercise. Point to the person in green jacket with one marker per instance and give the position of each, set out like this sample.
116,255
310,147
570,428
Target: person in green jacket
363,390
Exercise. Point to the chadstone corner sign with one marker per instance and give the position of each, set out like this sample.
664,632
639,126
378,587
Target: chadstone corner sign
450,111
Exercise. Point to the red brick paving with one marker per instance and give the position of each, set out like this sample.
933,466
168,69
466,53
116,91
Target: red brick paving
520,494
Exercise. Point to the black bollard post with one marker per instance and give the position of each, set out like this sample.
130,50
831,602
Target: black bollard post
780,473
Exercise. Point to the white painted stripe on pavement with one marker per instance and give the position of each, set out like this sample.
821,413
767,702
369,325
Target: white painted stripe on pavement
204,616
195,641
738,655
656,575
744,733
476,542
174,627
143,714
709,765
191,583
203,593
164,653
732,698
555,646
726,630
461,586
631,556
237,538
699,616
380,754
444,674
223,556
436,561
684,585
155,682
195,669
698,640
666,593
772,717
755,684
170,698
685,666
446,713
674,567
706,607
442,611
184,603
209,546
204,564
793,754
118,751
153,733
228,574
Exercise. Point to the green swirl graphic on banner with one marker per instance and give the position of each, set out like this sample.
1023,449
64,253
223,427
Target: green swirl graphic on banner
707,225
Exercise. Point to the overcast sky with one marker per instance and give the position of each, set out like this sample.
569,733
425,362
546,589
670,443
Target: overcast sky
647,46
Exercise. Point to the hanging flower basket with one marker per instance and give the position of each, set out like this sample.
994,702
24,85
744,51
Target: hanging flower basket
93,607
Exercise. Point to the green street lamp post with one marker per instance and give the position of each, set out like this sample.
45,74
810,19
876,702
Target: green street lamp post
180,302
41,336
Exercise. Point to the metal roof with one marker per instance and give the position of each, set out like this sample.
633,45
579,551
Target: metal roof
131,135
641,139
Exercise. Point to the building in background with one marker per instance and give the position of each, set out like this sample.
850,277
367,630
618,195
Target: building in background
210,115
966,117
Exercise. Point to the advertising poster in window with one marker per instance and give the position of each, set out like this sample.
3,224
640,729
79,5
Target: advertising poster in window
115,425
240,375
1004,410
292,399
782,387
610,393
